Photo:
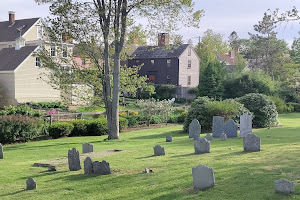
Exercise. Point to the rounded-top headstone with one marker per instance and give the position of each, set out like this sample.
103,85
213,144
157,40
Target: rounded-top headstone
88,166
218,126
169,138
194,128
203,177
201,146
284,186
251,143
30,184
230,128
159,150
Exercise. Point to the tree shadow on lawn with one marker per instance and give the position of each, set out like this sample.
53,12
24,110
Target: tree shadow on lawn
175,134
44,173
12,193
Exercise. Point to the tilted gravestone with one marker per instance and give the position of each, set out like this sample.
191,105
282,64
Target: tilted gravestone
217,129
223,136
208,137
30,184
169,138
101,167
230,128
88,166
201,146
251,143
1,151
159,150
74,160
194,128
245,125
284,186
203,177
87,148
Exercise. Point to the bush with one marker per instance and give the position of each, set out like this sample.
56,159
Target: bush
97,127
156,119
20,128
49,104
296,106
263,109
178,116
281,106
20,110
123,123
60,129
80,128
164,91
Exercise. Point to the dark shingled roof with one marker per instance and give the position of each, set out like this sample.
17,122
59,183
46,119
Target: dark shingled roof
171,51
11,58
11,33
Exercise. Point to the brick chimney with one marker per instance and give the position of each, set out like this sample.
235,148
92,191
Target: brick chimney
11,15
231,54
163,39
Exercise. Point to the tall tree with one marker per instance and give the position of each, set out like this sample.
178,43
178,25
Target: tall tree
295,51
99,26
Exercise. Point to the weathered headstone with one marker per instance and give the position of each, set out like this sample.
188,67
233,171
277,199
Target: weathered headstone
1,151
203,177
251,143
194,128
101,167
230,128
208,137
196,137
201,146
217,129
74,160
88,166
30,184
87,148
223,136
159,150
169,138
245,125
284,186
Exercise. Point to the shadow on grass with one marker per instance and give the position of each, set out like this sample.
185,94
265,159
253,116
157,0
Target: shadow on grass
174,134
18,147
146,157
184,155
12,193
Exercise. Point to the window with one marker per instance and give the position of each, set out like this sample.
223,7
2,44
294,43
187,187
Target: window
39,31
168,77
152,62
189,64
37,62
52,50
168,62
189,80
10,45
189,51
65,51
137,62
152,78
83,62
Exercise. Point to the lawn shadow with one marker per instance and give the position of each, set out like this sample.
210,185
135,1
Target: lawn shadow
184,155
174,134
22,146
146,157
12,193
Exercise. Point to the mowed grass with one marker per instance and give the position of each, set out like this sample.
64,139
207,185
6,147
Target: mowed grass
238,175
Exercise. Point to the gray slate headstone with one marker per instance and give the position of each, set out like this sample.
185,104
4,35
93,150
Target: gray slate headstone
223,136
217,129
159,150
245,125
230,128
87,148
284,186
201,146
30,184
74,160
88,166
169,138
196,137
203,177
208,137
101,167
194,128
251,143
1,151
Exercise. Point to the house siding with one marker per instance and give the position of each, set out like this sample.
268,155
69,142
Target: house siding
7,81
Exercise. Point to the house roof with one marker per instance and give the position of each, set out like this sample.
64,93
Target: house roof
11,33
170,51
11,58
228,59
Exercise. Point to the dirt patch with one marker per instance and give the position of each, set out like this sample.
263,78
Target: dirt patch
63,161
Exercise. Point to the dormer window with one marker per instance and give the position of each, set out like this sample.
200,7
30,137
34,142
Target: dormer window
37,62
52,50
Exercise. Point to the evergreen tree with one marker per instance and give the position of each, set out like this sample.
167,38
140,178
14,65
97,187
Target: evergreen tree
295,52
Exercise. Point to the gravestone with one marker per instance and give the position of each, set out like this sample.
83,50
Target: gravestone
87,148
208,137
245,125
223,136
30,184
1,151
203,177
169,138
159,150
217,129
230,128
101,167
251,143
194,128
284,186
201,146
147,170
196,137
74,160
88,166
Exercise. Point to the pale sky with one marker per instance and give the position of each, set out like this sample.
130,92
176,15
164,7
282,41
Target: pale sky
222,16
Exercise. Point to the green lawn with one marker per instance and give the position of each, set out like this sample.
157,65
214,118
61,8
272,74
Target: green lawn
238,175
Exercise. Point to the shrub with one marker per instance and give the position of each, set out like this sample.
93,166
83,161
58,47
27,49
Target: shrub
157,119
281,106
178,116
296,106
123,123
80,128
20,128
164,91
263,109
60,129
49,104
97,127
20,110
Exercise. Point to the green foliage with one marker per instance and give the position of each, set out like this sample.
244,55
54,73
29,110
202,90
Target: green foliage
50,104
165,91
20,110
296,106
60,129
146,92
281,106
263,109
193,90
156,119
123,123
80,127
295,52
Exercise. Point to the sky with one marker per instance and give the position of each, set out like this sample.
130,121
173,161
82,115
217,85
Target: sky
222,16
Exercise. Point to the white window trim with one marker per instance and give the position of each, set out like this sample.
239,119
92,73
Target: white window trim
37,62
51,50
